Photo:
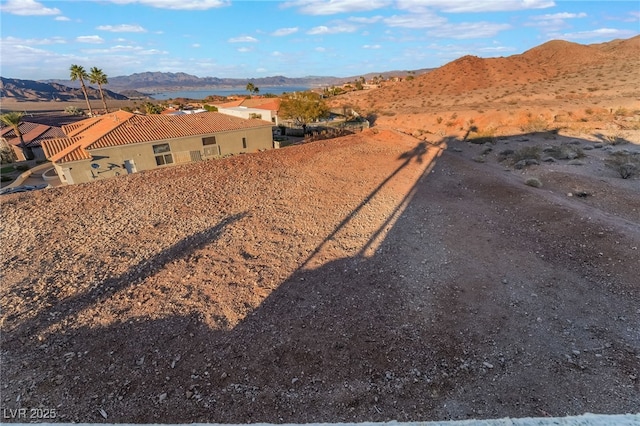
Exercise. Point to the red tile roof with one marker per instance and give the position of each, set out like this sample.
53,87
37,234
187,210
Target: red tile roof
32,133
124,128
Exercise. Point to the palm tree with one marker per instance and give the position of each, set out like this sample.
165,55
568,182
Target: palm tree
13,120
251,88
96,76
78,73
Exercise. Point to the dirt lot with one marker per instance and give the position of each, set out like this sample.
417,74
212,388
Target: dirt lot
373,277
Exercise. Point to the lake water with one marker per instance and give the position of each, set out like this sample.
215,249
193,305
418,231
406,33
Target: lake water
201,94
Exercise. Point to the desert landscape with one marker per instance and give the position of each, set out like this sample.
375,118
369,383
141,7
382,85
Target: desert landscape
472,255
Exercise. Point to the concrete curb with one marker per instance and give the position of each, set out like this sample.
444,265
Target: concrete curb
582,420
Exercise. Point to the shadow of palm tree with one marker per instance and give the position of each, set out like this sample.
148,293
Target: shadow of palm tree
417,153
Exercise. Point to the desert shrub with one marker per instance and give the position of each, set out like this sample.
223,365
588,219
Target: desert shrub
527,153
439,120
7,155
477,136
626,164
623,112
535,124
73,110
534,182
504,154
615,139
564,152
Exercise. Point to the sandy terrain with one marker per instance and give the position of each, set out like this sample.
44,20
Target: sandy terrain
408,272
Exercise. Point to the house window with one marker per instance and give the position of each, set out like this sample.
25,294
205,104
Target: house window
163,154
244,143
209,141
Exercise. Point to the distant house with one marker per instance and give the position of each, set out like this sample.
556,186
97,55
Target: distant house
121,142
261,108
33,134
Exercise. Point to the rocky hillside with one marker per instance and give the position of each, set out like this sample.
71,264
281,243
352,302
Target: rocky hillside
554,80
29,90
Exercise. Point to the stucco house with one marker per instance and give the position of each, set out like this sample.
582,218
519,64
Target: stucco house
33,134
121,142
261,108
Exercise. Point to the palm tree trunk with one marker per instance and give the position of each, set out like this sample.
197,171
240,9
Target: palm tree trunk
26,152
103,101
86,96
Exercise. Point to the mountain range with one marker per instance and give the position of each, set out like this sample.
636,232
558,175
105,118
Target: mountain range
140,85
30,90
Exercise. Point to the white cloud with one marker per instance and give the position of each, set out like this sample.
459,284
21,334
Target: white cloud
195,45
459,6
284,31
468,30
243,39
61,18
423,20
372,46
244,49
28,8
122,28
178,4
601,33
93,39
149,52
554,21
331,7
320,49
32,41
337,29
496,49
562,15
362,20
276,53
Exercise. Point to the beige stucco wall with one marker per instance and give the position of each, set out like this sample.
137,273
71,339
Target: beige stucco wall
110,161
264,114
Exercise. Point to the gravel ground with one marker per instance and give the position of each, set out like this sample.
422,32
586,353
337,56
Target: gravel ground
373,277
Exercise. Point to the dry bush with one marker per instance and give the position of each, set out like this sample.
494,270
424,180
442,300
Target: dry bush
564,152
535,125
478,136
627,164
527,153
615,139
534,182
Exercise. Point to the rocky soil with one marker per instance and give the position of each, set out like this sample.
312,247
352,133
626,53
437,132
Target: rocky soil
373,277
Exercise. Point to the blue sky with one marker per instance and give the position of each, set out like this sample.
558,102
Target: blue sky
245,39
